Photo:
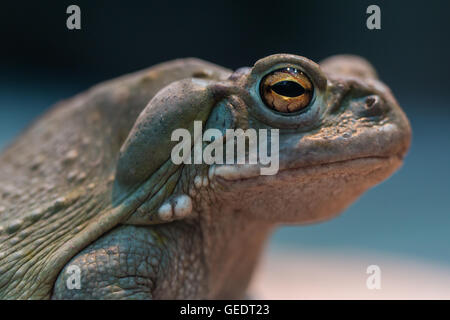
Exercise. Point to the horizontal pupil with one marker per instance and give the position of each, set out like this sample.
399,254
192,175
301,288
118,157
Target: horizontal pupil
288,88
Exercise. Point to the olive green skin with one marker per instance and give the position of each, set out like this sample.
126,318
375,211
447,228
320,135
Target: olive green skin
85,183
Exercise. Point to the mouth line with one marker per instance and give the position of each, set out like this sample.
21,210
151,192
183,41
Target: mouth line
326,165
337,162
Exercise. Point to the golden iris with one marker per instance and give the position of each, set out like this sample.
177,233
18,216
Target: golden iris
286,90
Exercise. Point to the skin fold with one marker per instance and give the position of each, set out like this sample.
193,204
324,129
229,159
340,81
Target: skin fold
91,183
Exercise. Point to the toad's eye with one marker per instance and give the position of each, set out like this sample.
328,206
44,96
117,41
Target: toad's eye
286,90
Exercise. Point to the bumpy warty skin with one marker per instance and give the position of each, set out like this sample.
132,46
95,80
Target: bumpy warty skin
84,184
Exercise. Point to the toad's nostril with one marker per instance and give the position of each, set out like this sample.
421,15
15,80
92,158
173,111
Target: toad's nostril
372,106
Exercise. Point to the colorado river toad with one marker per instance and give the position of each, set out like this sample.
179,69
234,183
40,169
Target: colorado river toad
91,184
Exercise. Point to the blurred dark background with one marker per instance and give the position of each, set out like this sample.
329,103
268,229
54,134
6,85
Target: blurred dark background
41,62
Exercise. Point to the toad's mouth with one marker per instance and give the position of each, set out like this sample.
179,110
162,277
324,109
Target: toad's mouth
376,146
235,173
